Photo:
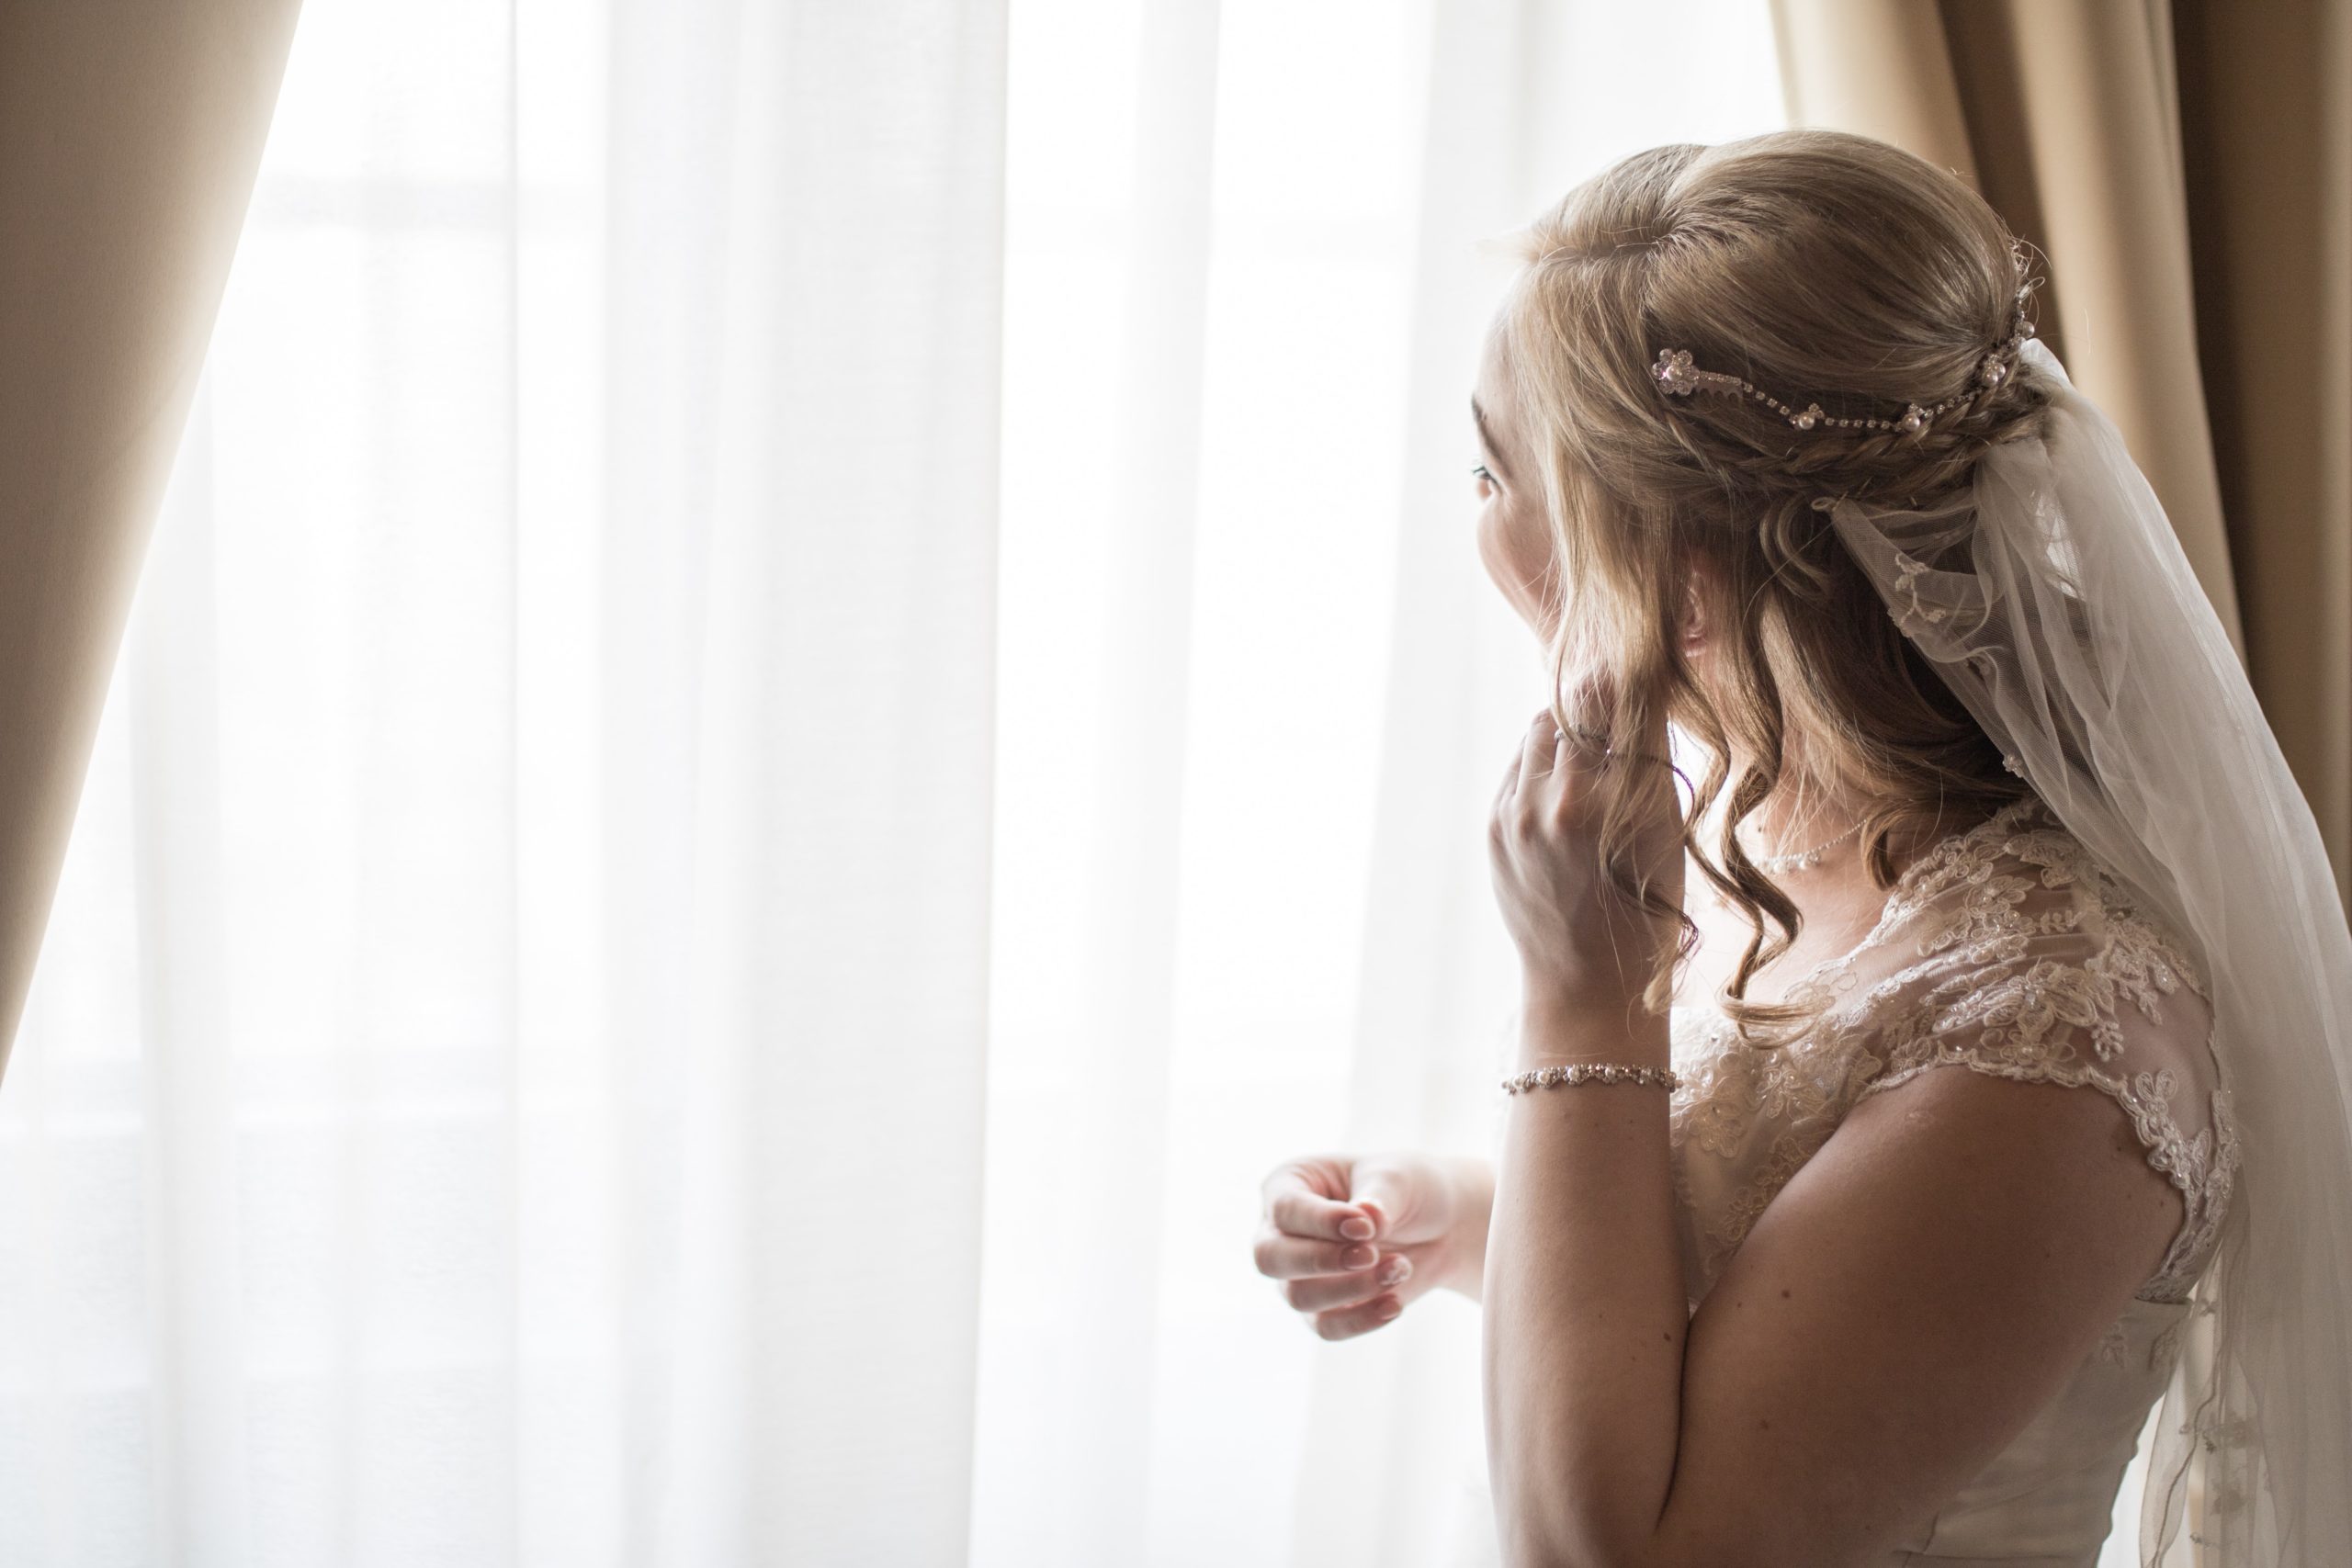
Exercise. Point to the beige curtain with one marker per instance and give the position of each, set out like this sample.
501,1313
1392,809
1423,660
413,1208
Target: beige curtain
2185,166
130,135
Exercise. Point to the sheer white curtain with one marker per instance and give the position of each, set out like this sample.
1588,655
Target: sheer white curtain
1255,690
505,1082
814,675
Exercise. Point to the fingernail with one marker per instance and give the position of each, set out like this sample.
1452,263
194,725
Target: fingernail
1359,1228
1397,1269
1387,1310
1358,1257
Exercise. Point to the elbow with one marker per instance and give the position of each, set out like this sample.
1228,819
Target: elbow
1549,1555
1569,1507
1552,1554
1555,1540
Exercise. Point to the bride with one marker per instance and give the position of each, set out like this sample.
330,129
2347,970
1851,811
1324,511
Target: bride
1778,472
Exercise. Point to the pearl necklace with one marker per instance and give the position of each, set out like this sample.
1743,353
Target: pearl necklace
1802,859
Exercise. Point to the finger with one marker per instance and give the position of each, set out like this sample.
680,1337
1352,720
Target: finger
1590,702
1515,771
1585,751
1382,1195
1591,695
1510,784
1575,753
1654,740
1298,1209
1598,694
1536,747
1281,1256
1349,1322
1330,1292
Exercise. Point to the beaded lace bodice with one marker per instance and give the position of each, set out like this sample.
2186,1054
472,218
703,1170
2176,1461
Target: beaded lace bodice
2008,950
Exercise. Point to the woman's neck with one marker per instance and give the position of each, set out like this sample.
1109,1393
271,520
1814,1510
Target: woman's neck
1806,836
1799,816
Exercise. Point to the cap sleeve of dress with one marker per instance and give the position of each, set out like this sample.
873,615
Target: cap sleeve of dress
2020,957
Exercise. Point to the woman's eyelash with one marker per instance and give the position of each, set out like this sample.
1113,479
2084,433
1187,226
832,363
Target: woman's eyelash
1480,471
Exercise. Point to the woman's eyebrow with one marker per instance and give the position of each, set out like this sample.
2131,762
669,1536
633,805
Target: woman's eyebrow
1478,417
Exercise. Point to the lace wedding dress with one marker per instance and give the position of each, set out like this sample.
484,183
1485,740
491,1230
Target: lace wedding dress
2007,950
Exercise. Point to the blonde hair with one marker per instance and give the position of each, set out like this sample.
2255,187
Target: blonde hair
1821,266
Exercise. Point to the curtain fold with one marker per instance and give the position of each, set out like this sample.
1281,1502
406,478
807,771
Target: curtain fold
128,141
2266,131
828,1004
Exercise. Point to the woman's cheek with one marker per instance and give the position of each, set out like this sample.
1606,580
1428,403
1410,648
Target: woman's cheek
1515,557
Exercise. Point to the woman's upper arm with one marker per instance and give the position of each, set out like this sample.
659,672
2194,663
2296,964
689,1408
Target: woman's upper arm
1924,1285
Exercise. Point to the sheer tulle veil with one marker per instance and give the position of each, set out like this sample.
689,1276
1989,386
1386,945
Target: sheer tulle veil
2054,600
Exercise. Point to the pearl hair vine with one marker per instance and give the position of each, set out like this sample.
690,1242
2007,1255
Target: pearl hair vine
1678,377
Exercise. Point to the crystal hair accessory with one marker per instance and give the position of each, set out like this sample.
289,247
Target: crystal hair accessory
1678,377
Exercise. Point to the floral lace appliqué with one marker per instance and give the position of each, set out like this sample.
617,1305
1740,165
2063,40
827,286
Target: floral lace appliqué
1992,973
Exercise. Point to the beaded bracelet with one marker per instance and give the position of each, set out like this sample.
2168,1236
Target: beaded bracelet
1591,1072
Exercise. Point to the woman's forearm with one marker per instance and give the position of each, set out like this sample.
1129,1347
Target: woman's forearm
1584,1311
1473,1197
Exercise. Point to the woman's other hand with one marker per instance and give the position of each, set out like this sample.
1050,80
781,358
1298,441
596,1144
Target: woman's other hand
1354,1240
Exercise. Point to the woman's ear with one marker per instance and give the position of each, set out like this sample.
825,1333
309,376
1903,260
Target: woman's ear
1693,626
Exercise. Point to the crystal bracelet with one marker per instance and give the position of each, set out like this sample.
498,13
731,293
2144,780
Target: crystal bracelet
1591,1072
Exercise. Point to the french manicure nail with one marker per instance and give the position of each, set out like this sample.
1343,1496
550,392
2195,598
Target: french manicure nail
1359,1257
1357,1228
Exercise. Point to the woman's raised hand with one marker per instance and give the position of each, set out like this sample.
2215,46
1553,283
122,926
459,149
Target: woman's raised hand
1354,1239
1582,947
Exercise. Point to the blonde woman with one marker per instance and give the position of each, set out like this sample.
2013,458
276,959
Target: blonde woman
1772,456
